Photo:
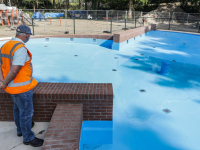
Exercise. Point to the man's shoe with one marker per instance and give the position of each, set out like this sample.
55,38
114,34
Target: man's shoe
20,134
35,142
33,124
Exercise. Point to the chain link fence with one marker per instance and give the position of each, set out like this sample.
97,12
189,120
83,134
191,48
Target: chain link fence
60,21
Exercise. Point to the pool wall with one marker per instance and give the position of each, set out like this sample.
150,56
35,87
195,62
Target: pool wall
122,39
116,41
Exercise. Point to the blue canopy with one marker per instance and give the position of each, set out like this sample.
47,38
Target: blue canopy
37,15
53,15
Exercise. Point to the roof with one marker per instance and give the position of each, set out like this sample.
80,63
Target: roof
3,7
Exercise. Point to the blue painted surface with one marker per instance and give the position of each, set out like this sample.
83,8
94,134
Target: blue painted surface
165,67
98,132
138,118
100,42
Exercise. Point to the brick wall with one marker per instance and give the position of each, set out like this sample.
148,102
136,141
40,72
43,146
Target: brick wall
129,34
97,100
65,128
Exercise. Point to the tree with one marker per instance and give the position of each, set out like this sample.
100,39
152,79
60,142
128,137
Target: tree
59,4
44,4
80,4
130,8
97,4
54,4
67,4
85,4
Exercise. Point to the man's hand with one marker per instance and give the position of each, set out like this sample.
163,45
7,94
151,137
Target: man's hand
2,86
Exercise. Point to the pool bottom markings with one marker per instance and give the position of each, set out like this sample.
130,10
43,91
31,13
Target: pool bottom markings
167,111
142,90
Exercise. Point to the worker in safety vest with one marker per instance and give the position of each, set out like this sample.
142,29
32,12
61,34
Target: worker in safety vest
16,79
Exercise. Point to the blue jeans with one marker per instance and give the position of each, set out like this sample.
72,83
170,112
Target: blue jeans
23,113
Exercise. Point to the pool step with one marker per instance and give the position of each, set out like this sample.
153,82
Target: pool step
96,133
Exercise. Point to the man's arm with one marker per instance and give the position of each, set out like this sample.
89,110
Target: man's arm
11,75
19,59
1,74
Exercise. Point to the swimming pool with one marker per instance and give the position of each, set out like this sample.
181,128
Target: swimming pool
139,121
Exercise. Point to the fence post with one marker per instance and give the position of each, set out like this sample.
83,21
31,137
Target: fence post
117,20
44,20
33,27
87,20
135,23
107,20
199,27
143,20
125,26
169,22
66,32
74,25
110,26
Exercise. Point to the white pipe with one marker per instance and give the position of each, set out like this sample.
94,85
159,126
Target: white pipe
10,3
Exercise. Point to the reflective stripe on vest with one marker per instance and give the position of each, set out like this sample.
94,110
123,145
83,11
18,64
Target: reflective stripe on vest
6,56
11,57
12,84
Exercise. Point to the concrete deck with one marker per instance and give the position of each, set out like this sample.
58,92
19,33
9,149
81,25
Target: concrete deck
10,140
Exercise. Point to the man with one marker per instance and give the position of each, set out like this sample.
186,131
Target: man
16,79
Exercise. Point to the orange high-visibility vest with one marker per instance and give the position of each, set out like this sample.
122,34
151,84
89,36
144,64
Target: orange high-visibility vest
23,81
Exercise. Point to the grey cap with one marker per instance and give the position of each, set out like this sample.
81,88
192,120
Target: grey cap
24,29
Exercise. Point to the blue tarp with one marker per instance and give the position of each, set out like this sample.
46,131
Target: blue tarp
37,16
77,13
53,15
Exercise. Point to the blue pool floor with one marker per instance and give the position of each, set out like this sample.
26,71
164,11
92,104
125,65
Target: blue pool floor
139,121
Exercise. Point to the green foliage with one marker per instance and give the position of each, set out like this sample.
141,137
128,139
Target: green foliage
138,5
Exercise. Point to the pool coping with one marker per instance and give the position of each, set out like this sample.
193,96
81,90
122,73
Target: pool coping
179,31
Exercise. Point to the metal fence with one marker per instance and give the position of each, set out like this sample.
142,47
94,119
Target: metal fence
60,21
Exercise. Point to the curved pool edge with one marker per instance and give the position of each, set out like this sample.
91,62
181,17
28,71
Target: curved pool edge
178,31
105,37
